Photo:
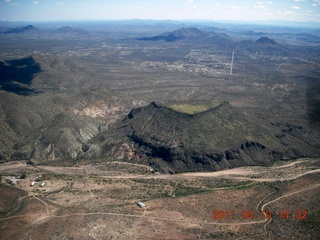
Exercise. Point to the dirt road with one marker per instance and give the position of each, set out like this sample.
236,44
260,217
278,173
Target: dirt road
264,221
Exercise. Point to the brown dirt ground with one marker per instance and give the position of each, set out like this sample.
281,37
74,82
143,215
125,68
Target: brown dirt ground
85,207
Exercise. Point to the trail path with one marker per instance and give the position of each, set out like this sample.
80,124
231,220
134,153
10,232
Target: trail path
241,173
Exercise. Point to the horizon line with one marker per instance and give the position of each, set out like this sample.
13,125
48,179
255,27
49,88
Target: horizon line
255,22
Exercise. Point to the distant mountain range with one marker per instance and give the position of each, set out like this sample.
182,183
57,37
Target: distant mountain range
217,35
179,34
190,33
220,40
32,29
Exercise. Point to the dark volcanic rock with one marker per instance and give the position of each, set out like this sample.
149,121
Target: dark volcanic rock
222,137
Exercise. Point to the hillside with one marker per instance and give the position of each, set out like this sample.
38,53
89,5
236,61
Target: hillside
44,114
218,138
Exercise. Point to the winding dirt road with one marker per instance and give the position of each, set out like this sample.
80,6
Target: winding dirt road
264,221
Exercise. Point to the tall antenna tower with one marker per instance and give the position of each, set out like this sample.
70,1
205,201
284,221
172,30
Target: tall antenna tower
232,62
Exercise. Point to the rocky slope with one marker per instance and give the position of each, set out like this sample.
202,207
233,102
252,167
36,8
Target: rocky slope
49,108
221,137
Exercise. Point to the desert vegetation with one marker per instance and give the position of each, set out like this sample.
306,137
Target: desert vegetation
109,114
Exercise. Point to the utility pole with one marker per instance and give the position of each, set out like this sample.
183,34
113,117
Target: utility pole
232,62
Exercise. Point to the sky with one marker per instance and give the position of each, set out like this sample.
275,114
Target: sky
238,10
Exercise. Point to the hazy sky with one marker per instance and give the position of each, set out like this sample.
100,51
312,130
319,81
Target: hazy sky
248,10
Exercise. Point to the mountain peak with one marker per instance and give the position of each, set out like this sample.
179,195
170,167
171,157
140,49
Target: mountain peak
68,29
189,32
266,40
23,29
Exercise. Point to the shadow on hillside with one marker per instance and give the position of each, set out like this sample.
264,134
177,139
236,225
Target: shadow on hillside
313,103
16,75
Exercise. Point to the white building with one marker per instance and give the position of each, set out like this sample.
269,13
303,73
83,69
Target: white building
140,204
32,184
42,184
